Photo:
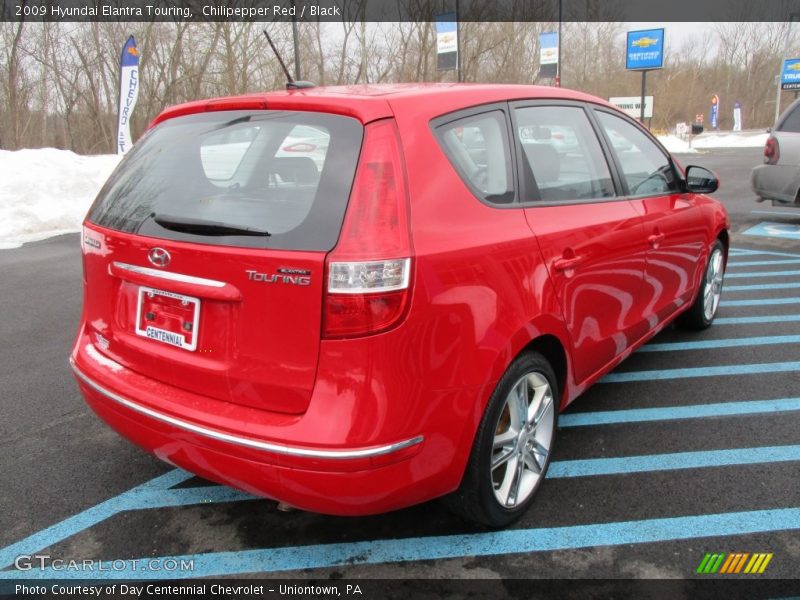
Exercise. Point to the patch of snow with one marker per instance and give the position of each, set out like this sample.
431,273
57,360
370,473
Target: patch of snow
713,140
47,192
731,140
675,144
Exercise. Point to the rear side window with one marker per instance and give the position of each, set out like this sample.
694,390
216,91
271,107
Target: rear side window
228,177
561,155
645,168
478,148
791,122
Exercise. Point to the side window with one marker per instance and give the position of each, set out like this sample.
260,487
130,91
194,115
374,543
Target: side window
478,148
644,166
561,155
792,121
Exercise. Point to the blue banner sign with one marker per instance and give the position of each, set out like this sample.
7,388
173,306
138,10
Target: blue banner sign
790,76
446,41
128,93
548,54
645,50
714,111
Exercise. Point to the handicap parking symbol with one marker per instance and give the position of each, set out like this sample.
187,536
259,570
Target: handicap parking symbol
775,230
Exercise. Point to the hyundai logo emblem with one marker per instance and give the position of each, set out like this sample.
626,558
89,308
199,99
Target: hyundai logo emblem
159,257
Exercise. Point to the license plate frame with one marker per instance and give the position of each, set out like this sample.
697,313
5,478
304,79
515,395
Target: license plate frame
165,336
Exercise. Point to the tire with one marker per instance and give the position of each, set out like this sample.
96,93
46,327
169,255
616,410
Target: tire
520,448
702,312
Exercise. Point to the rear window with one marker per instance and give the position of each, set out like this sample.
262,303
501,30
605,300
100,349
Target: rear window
791,122
231,177
478,148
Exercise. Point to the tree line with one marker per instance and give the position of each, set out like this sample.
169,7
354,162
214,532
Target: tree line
59,81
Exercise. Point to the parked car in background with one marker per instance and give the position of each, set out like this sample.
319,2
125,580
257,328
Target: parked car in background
778,179
398,313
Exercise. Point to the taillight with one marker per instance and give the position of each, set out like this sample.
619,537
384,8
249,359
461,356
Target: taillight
369,271
772,151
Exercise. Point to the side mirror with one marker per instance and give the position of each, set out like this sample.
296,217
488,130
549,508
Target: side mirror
700,180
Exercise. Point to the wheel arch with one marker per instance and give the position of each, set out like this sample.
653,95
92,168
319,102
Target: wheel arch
725,237
553,350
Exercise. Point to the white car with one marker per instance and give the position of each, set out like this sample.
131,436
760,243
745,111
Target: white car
778,179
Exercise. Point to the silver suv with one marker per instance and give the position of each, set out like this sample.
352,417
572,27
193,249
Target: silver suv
778,179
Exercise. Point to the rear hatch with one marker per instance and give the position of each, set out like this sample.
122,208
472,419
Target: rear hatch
205,252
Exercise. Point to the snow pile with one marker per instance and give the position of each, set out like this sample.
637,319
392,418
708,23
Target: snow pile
47,192
730,140
675,144
713,140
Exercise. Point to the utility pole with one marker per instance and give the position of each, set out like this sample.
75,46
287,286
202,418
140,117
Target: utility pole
558,63
459,74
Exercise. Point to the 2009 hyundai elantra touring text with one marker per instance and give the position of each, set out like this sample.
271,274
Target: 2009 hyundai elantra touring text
356,299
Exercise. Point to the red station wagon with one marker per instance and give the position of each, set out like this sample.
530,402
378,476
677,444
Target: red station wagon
356,299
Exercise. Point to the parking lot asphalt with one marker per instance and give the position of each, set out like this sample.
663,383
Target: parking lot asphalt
690,447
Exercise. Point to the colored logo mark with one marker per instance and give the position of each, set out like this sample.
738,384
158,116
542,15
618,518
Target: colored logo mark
644,42
736,562
133,51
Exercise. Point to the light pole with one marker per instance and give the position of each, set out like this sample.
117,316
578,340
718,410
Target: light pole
780,67
558,63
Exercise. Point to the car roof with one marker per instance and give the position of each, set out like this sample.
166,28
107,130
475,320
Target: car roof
368,102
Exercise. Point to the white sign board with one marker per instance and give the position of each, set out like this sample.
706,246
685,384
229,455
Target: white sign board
632,105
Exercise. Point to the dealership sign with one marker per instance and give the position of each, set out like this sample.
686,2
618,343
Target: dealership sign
548,54
790,75
645,50
632,105
446,41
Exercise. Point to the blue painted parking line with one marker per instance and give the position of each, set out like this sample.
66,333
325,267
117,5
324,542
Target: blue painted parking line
760,301
762,274
754,252
726,343
494,543
781,367
669,413
669,462
774,230
762,286
757,319
762,263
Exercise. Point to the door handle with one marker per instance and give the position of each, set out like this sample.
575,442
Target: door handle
564,264
656,239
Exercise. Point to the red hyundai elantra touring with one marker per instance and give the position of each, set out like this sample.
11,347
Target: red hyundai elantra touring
356,299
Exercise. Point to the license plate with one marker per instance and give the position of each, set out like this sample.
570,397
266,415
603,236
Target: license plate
168,317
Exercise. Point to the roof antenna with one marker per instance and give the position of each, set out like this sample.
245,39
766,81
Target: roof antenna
291,84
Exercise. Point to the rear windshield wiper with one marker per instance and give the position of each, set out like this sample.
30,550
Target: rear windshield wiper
205,227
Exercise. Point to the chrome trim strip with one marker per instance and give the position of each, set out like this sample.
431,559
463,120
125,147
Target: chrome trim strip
170,276
247,442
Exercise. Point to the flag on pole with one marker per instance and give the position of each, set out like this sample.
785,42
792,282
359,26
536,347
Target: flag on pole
128,93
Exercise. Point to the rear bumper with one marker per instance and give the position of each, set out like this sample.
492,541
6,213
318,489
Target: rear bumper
776,182
341,479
